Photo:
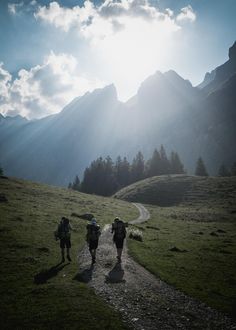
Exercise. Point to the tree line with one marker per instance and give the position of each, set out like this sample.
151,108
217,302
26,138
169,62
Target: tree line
222,172
105,176
225,171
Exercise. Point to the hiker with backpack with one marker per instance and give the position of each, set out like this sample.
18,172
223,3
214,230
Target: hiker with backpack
119,230
92,237
63,234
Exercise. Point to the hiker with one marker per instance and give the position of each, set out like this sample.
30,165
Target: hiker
119,230
63,233
92,237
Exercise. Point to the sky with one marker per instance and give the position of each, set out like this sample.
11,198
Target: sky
54,51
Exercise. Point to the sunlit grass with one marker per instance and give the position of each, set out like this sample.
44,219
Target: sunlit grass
28,251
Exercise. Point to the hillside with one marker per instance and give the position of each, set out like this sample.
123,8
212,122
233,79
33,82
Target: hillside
189,241
37,292
183,190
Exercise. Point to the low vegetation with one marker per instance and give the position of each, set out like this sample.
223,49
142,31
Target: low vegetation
184,190
191,242
135,234
36,291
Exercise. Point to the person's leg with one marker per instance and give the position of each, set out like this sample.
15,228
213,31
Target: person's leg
68,246
62,254
68,254
119,253
119,247
92,248
62,246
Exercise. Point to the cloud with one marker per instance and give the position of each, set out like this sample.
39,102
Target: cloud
5,79
186,14
66,18
18,8
101,21
44,89
13,8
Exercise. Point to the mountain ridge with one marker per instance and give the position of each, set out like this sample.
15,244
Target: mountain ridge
166,110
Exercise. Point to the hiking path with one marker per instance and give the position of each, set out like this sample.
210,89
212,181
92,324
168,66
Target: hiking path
144,301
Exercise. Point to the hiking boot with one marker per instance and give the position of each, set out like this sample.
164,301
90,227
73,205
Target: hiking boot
69,258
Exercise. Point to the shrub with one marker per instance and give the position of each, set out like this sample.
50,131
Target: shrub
136,234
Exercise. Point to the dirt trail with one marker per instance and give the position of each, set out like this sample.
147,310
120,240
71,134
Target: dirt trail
144,301
144,214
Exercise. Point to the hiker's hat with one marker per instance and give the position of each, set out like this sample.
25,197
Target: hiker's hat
117,219
93,221
65,220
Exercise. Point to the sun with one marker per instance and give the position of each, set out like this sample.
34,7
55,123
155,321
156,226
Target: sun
137,50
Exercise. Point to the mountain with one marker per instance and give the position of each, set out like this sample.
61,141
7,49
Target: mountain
221,74
57,147
209,77
167,110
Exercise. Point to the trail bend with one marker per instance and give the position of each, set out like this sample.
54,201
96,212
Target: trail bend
144,301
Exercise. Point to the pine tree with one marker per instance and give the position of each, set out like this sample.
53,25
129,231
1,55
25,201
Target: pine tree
110,182
223,171
233,169
137,168
1,170
200,168
176,167
122,172
76,184
154,164
99,178
86,184
165,164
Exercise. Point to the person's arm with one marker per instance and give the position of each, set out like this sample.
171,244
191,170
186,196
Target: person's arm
87,234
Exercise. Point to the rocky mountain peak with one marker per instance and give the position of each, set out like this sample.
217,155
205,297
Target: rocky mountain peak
232,52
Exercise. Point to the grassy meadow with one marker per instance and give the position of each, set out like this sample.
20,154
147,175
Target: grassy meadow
192,245
36,291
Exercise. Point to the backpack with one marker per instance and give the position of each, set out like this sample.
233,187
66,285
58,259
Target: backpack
120,231
63,231
93,232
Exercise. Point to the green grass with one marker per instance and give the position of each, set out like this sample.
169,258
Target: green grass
204,265
197,217
218,193
29,252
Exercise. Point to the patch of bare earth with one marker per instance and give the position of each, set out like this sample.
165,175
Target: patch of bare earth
144,301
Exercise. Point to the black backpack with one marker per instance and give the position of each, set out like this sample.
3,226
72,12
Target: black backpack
120,231
63,231
93,232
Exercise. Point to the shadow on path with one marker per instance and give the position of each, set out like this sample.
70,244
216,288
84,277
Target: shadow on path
116,275
45,275
85,276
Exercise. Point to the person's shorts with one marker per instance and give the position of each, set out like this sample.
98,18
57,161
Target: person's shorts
65,242
93,244
119,243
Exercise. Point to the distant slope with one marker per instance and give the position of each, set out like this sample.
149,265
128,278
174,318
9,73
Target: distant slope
33,282
182,189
